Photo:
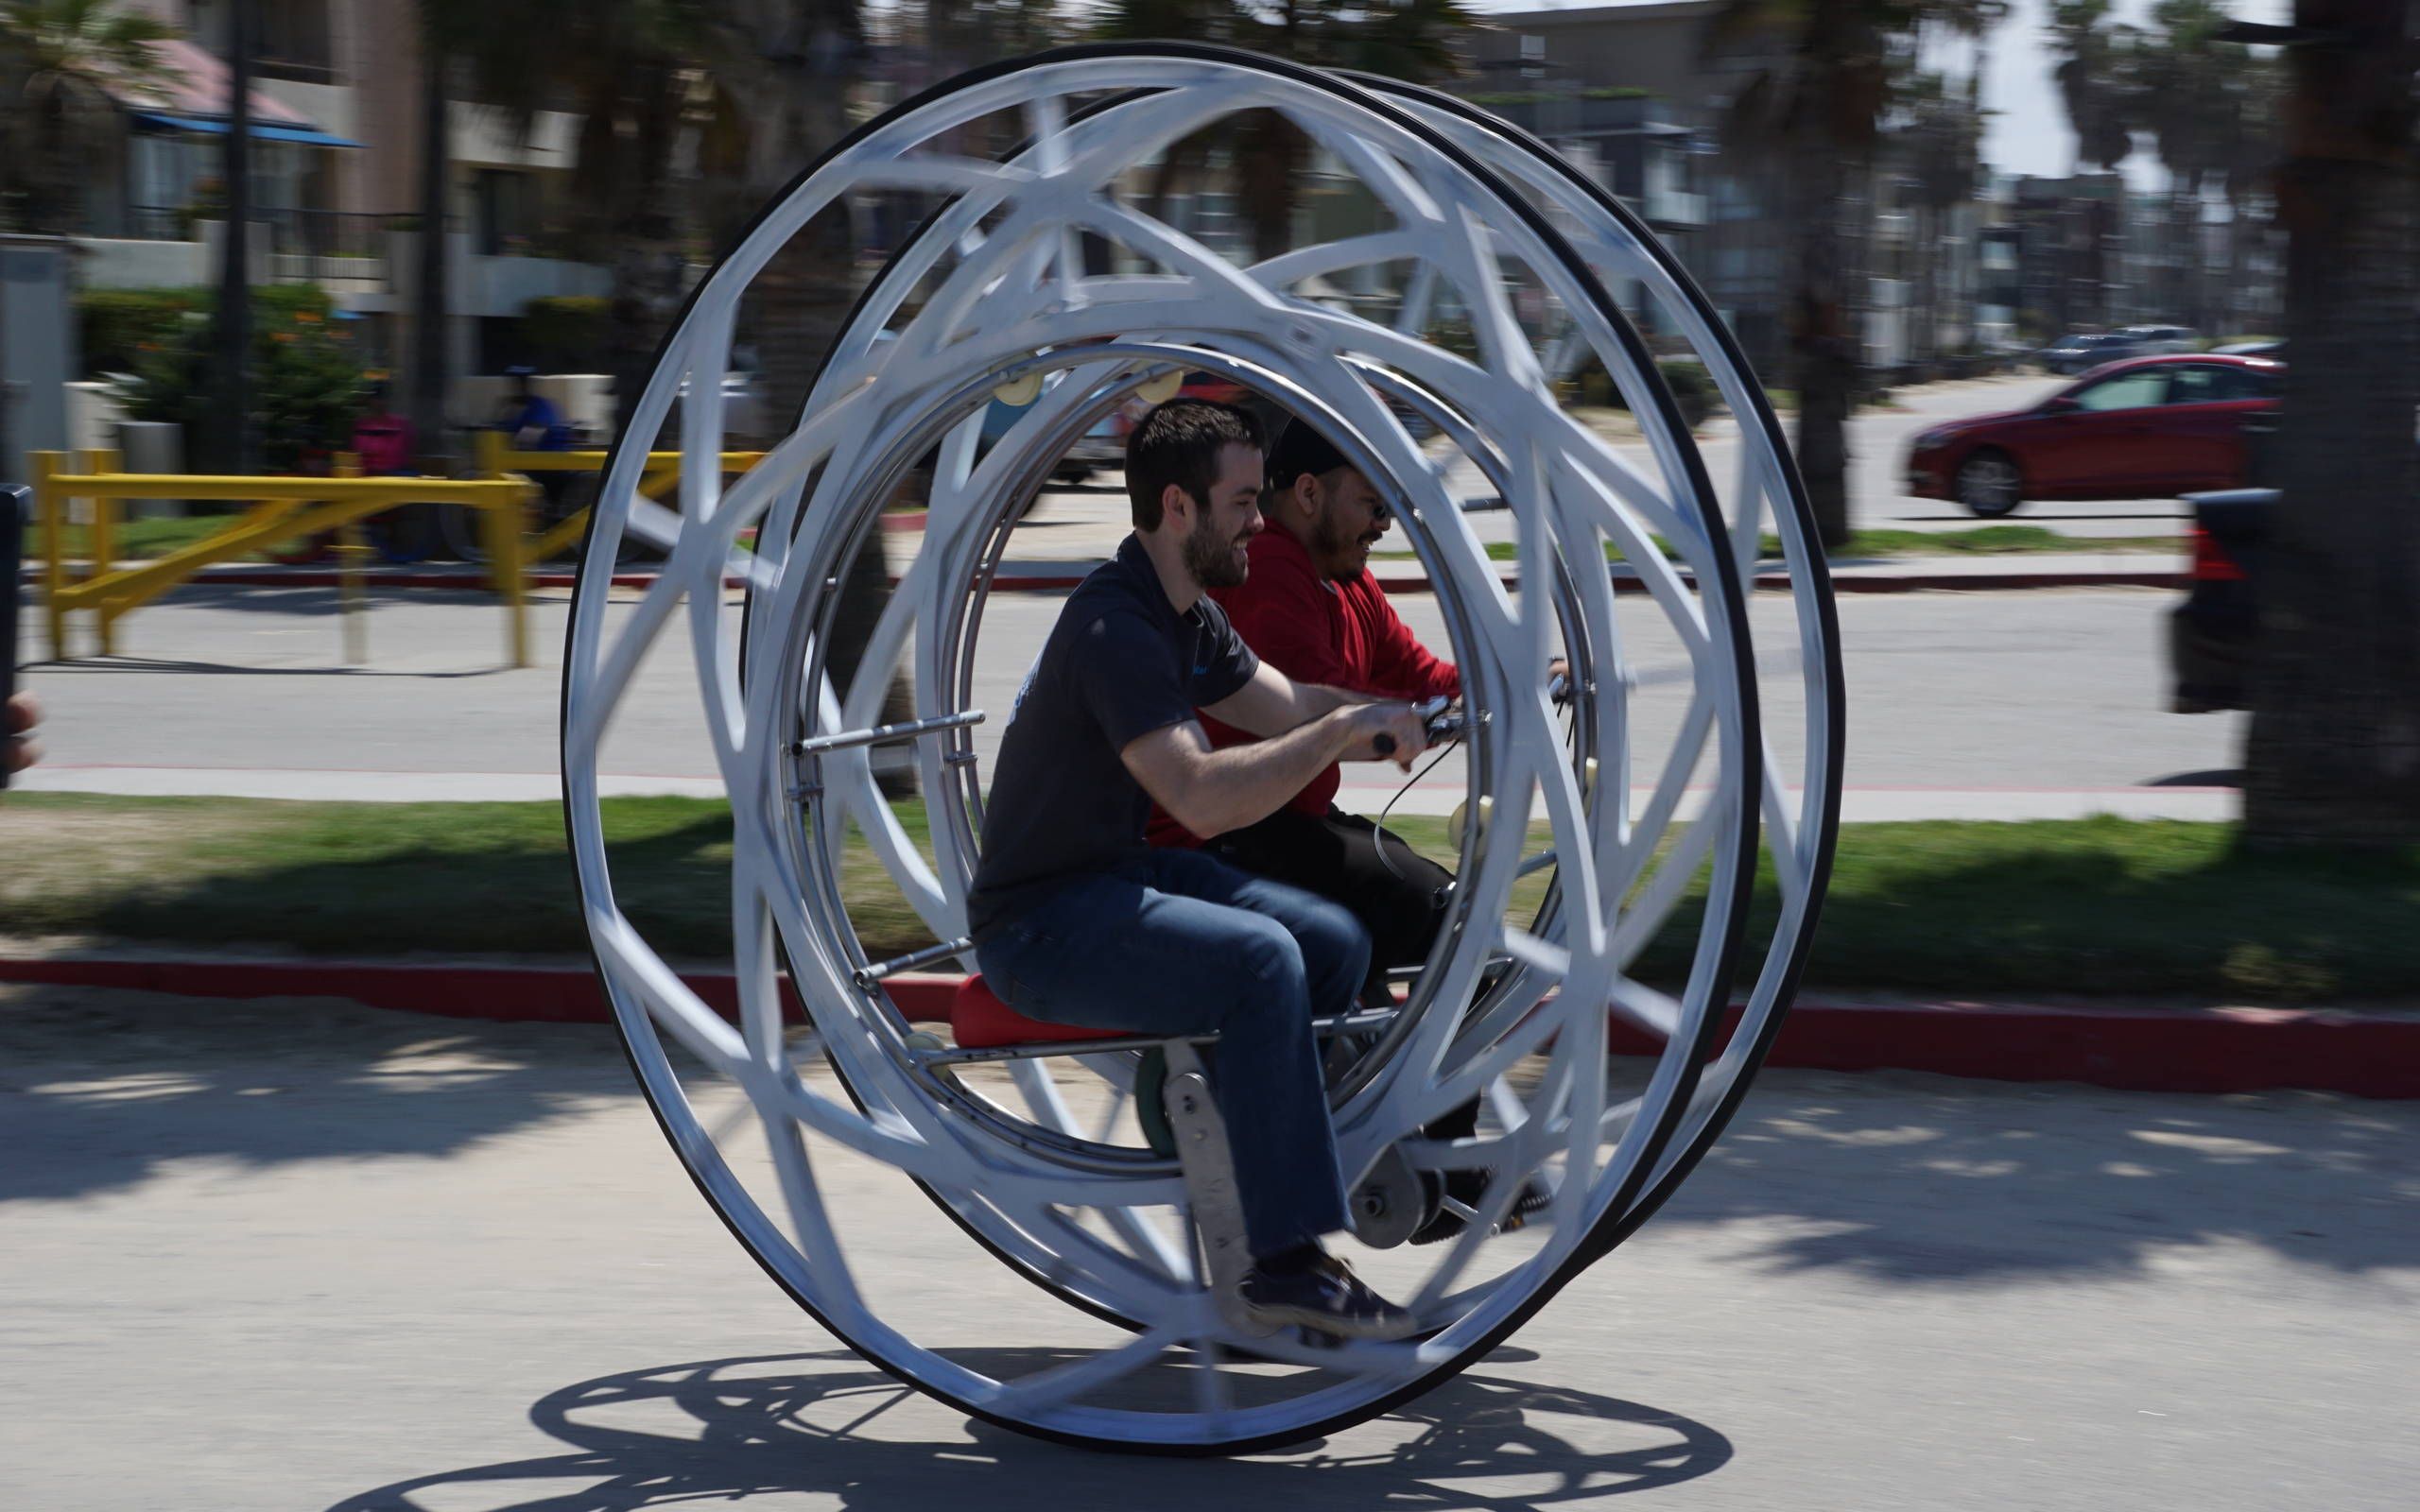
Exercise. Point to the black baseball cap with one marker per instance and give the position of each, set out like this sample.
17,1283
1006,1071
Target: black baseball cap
1300,448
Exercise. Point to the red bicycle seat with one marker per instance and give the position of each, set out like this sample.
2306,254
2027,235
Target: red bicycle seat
979,1021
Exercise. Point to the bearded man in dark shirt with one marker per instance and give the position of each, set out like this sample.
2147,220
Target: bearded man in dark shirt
1078,921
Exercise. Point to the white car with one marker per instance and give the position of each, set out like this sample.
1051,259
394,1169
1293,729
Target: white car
2155,340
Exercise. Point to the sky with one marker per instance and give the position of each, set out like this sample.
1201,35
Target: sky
2028,132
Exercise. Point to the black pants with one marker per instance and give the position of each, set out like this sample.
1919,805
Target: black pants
1336,856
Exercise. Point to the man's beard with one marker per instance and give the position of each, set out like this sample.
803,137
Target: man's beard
1331,544
1211,557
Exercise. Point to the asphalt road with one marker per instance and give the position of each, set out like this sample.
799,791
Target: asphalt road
1978,703
306,1255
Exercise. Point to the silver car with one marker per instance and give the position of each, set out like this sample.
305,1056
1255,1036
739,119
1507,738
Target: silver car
2157,340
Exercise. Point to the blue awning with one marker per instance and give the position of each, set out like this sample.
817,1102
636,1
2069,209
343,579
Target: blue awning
261,131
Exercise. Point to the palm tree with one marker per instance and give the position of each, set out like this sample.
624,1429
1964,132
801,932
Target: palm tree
2334,751
59,60
1940,137
233,437
2095,83
1818,77
2185,84
1403,39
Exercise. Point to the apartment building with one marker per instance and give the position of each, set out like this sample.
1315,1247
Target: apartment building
335,178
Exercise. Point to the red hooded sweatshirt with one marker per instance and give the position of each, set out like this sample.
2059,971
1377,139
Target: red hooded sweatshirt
1345,635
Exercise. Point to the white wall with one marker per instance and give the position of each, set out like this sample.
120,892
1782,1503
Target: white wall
126,264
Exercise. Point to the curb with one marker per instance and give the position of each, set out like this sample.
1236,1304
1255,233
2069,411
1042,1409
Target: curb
2363,1054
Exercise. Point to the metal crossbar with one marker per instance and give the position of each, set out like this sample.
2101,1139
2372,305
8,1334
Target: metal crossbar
283,508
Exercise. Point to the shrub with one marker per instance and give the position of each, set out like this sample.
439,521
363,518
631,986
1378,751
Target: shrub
565,333
307,380
1692,388
115,326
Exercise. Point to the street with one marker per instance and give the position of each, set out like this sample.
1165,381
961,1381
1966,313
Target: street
304,1255
1978,699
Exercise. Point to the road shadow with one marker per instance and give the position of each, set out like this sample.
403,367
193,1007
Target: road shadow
315,602
101,1089
822,1424
162,665
1928,1180
2218,777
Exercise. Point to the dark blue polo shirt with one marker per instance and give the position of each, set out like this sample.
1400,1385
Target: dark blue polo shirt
1120,664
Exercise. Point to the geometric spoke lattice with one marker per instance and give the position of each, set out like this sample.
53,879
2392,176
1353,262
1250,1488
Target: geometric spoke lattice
1600,921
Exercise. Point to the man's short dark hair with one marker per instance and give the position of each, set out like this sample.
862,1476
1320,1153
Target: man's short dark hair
1179,442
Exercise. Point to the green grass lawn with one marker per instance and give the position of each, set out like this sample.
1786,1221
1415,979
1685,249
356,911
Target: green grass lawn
137,540
1981,541
2094,906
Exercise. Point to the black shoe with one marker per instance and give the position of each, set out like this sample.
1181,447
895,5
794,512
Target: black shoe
1327,1297
1468,1188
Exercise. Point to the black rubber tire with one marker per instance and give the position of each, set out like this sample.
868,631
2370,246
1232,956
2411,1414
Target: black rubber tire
1973,493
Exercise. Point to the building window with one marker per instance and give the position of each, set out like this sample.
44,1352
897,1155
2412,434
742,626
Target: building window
294,41
504,213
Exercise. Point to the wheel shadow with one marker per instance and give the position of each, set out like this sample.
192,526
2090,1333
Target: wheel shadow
826,1424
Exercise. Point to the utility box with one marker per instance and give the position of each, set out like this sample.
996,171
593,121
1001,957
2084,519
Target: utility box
37,348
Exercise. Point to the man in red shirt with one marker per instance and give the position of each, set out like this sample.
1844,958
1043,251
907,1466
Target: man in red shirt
1309,606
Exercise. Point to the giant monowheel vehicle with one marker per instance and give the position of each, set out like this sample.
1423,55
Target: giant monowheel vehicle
1055,1283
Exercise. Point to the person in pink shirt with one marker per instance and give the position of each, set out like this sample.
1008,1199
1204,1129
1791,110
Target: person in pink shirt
382,438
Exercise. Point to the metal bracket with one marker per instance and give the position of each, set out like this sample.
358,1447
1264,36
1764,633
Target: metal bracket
1209,1167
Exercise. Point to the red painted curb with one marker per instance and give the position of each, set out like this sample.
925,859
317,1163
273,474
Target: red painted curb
2194,1050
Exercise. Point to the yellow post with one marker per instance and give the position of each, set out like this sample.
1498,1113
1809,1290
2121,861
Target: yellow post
352,547
505,524
54,549
487,453
104,542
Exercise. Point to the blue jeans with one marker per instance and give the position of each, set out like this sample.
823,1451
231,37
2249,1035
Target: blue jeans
1179,943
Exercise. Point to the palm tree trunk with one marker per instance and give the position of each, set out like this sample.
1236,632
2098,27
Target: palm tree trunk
429,364
2334,751
235,331
1823,337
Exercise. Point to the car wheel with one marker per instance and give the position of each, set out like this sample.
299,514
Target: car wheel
1988,484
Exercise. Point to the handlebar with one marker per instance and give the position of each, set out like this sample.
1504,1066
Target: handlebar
1445,722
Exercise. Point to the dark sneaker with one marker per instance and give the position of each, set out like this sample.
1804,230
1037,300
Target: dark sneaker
1467,1188
1325,1298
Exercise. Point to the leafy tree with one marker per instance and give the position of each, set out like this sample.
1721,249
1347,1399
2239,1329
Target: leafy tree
305,378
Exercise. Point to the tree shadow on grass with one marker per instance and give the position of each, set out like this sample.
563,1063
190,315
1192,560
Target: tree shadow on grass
460,897
823,1425
2098,908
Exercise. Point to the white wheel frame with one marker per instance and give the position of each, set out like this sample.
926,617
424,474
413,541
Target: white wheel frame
1005,293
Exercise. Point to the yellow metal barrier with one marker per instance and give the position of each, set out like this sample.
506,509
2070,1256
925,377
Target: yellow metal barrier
492,457
283,507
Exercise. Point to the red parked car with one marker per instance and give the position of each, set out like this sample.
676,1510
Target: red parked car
2148,428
